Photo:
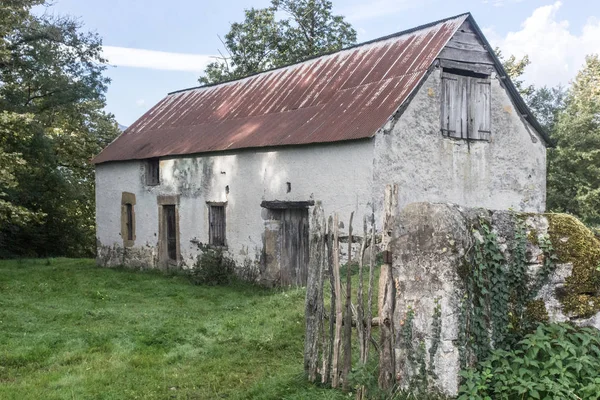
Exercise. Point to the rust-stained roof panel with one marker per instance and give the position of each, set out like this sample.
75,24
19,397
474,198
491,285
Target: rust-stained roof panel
341,96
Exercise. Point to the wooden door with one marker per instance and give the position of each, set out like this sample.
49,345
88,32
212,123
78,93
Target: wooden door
294,246
170,225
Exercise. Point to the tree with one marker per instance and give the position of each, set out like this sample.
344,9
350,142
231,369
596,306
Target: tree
51,123
514,69
547,104
262,41
574,165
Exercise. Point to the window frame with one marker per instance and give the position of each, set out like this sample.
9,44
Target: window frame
164,257
221,229
153,172
128,224
471,98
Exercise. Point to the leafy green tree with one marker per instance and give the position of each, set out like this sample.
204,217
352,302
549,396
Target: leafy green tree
574,165
547,104
515,69
262,41
51,123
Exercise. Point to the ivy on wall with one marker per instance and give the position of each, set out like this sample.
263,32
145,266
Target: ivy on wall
499,307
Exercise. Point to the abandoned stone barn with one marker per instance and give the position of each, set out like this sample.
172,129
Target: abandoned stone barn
239,164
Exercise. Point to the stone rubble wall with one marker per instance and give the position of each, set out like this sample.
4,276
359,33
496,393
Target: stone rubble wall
430,244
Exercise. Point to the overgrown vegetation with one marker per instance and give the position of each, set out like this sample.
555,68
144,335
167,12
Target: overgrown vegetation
213,267
499,306
576,244
557,361
51,123
510,350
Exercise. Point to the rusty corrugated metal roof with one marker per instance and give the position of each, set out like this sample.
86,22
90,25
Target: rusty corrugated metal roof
345,95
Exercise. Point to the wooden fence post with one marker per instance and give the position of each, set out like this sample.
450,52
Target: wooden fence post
338,304
387,296
314,293
348,317
327,363
369,317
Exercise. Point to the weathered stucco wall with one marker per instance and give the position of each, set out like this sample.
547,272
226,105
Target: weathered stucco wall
433,262
506,172
339,175
509,171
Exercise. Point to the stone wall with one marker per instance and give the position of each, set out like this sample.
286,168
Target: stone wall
506,172
432,253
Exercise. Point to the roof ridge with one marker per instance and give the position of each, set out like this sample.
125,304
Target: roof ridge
379,39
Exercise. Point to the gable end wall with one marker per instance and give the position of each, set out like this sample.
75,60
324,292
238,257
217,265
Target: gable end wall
508,171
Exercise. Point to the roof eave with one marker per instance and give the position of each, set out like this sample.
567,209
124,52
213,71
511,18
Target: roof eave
512,90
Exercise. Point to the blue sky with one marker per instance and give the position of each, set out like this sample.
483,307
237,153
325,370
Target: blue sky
157,46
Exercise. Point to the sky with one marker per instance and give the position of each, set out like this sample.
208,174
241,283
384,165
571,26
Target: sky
156,46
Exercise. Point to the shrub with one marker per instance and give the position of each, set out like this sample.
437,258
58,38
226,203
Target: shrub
213,267
557,361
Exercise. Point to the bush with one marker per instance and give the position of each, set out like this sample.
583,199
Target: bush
557,361
213,267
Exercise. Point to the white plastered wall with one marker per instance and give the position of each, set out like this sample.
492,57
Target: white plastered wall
339,175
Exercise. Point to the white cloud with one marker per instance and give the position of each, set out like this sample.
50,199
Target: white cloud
151,59
556,50
500,3
374,9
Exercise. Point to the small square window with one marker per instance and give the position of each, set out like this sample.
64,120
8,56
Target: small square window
216,225
152,172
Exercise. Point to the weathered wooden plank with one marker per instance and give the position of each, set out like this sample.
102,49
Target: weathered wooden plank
369,316
360,309
360,313
480,111
332,307
386,285
477,57
348,314
484,69
466,37
314,293
454,44
281,205
338,305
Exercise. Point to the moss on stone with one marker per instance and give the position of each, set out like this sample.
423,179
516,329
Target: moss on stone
574,243
536,312
532,237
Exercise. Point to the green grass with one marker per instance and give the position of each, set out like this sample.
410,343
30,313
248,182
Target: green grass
70,330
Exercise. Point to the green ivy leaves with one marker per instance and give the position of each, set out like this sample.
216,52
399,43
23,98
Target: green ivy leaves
557,361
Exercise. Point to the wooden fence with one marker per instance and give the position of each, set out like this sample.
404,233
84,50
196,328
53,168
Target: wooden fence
328,341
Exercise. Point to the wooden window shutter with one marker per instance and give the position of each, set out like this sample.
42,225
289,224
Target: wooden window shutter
153,172
454,105
481,109
129,210
216,225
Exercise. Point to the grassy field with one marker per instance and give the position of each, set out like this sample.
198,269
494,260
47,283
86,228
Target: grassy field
70,330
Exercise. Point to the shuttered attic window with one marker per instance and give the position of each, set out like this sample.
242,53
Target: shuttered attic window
216,224
466,105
